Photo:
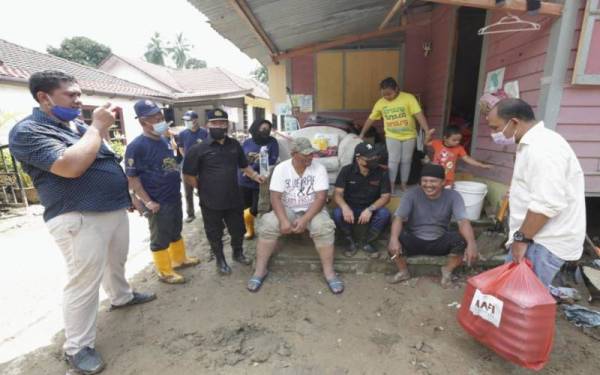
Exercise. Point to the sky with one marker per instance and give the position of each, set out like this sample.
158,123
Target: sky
124,25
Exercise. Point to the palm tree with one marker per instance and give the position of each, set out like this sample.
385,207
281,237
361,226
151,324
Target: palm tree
261,74
179,51
155,52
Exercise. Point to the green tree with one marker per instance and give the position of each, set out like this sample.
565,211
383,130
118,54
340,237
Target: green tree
261,74
194,63
81,50
179,51
155,52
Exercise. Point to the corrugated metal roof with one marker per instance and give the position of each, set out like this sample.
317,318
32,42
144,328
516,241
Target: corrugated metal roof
293,23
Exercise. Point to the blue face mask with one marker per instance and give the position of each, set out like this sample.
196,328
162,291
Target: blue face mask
64,113
160,128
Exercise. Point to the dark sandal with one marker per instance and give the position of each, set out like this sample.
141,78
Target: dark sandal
335,285
255,283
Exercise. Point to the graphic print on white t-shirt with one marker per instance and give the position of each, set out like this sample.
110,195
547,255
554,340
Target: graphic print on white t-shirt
298,192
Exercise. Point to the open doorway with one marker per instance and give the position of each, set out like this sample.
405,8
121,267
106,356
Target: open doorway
463,82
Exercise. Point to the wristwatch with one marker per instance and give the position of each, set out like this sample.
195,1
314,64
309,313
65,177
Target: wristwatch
520,237
372,208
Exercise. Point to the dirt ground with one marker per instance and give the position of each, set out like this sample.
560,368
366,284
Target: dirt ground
295,326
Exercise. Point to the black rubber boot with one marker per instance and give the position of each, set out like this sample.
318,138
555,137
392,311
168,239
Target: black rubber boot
222,266
372,235
369,246
352,247
238,256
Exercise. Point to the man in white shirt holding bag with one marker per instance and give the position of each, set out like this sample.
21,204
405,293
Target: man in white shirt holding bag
547,194
298,189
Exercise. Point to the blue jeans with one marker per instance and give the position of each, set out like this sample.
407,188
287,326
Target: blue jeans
545,264
379,219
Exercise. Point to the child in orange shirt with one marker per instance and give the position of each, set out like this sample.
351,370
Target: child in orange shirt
448,150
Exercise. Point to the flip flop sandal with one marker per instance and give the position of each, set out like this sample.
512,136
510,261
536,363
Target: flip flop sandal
255,283
335,285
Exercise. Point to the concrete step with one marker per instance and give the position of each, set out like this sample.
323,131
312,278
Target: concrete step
297,254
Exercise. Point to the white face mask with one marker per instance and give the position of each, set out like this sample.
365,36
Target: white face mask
188,124
500,139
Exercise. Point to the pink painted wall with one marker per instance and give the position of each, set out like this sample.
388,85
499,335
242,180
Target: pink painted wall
523,55
579,116
437,66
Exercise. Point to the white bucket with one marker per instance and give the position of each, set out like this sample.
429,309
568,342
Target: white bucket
473,193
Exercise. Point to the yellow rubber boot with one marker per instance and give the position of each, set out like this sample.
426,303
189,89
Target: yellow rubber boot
249,221
178,257
162,262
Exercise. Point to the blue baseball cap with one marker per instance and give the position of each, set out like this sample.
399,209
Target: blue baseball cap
217,114
189,115
145,108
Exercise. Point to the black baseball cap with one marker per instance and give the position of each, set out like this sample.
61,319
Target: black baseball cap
365,149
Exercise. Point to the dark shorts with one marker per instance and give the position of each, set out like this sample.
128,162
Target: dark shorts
450,243
165,226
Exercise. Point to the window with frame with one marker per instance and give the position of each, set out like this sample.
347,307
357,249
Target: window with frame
587,63
116,132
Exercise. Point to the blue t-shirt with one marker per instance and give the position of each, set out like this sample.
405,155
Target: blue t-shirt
39,140
153,161
251,150
188,138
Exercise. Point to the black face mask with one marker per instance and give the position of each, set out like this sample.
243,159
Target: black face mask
263,133
217,133
372,164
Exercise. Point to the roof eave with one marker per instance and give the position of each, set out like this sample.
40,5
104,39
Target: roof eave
109,94
225,95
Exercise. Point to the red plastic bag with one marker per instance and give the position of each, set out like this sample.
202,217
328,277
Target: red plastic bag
511,312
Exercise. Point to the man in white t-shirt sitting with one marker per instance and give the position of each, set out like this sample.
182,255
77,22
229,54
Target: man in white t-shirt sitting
298,196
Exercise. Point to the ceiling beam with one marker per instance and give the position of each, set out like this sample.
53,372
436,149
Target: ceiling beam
347,39
391,14
550,9
243,9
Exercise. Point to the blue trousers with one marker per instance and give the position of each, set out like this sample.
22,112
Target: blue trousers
379,219
545,264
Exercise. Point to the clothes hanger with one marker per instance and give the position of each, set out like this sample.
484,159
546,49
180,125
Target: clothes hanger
509,24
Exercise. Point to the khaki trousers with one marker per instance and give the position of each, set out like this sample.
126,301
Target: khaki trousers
95,246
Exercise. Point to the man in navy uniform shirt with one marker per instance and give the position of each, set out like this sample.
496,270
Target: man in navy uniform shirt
212,166
84,193
154,178
192,134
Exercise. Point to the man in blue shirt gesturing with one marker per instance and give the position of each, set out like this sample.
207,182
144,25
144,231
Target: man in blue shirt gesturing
84,193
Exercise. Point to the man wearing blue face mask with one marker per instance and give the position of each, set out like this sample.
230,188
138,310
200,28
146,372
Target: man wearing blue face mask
192,134
154,179
84,193
547,197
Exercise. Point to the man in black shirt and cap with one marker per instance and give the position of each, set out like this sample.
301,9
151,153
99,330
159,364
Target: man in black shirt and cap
362,189
212,167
